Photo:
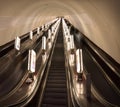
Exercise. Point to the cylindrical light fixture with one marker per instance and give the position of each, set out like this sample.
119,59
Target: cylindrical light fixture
43,45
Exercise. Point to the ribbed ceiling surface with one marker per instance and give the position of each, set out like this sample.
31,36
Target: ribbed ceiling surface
99,20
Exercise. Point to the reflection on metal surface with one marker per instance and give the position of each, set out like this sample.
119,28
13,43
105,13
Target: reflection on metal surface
68,46
72,42
42,27
80,88
43,44
49,34
71,59
31,61
78,60
38,30
31,35
44,58
17,43
49,45
81,60
32,86
53,29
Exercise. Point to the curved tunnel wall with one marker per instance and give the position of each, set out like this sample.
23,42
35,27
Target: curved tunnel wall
97,19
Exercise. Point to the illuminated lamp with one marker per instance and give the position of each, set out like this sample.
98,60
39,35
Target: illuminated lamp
79,63
31,66
17,43
43,45
38,31
72,44
49,35
31,35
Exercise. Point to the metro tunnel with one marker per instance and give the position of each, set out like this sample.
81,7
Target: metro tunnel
56,53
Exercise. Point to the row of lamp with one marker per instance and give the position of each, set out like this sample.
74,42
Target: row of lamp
32,53
75,57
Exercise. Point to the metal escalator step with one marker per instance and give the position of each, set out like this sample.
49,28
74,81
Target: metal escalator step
57,74
55,95
50,105
57,78
55,90
56,85
56,81
59,101
57,64
57,70
58,58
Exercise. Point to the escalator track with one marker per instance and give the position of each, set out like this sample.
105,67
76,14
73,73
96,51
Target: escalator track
55,93
99,81
108,95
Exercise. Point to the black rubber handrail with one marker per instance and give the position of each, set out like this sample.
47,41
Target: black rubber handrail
113,75
112,64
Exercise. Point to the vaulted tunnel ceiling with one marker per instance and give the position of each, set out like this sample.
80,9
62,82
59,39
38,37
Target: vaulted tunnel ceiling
99,20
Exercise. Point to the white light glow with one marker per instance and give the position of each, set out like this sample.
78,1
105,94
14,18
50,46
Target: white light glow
42,27
38,30
78,60
31,61
68,46
44,58
49,34
17,43
44,43
49,45
31,35
80,88
81,60
72,42
71,59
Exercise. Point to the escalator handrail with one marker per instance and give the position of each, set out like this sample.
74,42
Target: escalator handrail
24,51
73,100
108,59
23,54
105,58
47,71
100,98
4,49
97,95
105,75
115,69
39,80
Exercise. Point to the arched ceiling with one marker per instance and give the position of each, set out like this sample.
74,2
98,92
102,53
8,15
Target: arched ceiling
97,19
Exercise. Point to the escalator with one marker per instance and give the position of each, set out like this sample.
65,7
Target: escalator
103,78
101,85
55,93
99,81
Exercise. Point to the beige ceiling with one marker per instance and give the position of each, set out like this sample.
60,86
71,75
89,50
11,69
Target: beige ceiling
99,20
